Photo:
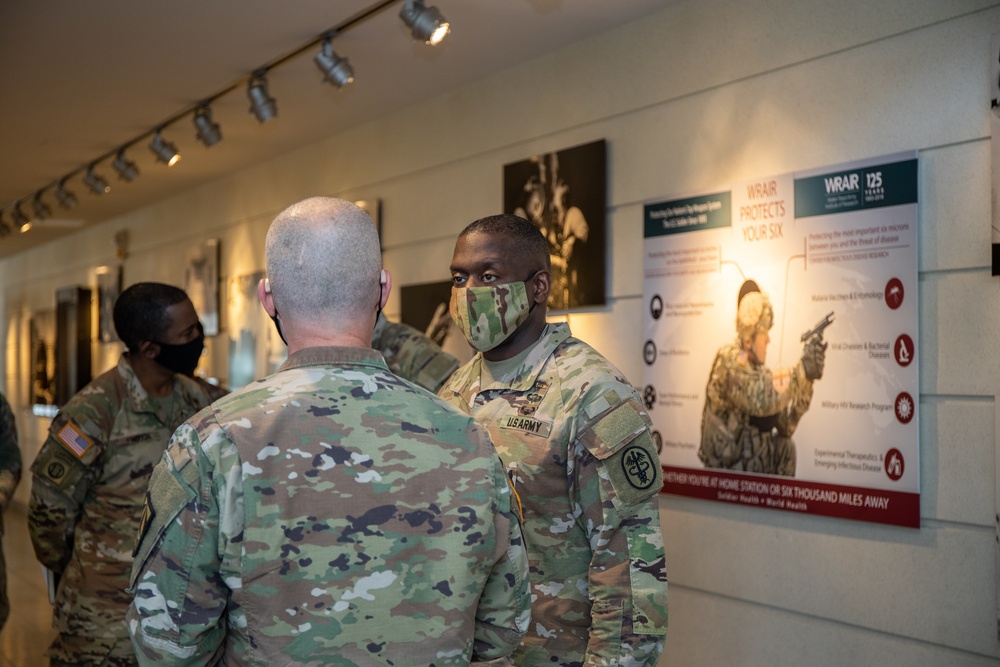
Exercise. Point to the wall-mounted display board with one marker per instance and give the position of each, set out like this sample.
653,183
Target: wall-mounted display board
780,341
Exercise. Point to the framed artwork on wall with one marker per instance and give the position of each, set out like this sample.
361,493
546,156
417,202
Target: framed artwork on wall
255,349
109,286
425,308
564,195
201,282
42,339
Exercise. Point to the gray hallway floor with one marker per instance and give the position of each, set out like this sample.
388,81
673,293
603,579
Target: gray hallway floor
29,629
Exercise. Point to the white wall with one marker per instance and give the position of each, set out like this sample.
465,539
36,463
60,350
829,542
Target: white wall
707,93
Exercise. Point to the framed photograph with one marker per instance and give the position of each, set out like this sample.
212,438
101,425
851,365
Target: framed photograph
564,194
425,308
255,349
109,286
42,336
201,282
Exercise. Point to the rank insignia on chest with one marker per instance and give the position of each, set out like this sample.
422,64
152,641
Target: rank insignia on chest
527,425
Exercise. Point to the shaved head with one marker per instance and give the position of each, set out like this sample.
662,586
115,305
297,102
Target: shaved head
323,261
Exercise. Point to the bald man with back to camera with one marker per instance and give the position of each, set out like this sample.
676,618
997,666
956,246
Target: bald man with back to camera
331,513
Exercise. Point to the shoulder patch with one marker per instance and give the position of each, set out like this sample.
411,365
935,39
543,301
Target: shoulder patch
635,472
74,439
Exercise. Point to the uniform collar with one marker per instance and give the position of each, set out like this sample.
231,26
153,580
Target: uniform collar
523,377
184,389
326,355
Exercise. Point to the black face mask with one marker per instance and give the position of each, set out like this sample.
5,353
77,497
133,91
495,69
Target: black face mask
182,358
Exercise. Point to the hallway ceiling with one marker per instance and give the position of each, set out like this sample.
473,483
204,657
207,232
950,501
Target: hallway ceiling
80,79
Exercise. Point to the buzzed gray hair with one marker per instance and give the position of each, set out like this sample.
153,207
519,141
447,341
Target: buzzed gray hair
323,260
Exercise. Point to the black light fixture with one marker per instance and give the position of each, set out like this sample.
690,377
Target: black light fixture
21,221
41,209
336,70
127,171
97,185
66,198
425,23
164,151
262,105
208,132
5,229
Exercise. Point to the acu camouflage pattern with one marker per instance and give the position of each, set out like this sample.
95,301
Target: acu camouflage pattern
576,440
10,475
84,511
330,514
488,315
411,355
747,423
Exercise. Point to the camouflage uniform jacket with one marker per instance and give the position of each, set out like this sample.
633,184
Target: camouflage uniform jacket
330,514
10,475
10,455
89,482
411,355
739,389
576,439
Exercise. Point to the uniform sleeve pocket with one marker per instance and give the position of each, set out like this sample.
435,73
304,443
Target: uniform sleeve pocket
620,440
165,499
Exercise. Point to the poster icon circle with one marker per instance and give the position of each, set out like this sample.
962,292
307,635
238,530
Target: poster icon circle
649,352
658,441
905,408
649,396
894,464
903,350
656,306
894,293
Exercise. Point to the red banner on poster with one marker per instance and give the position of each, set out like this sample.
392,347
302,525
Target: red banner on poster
793,495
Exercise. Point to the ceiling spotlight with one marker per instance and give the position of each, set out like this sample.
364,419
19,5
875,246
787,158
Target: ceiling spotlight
66,198
336,70
97,185
127,171
425,23
5,229
262,106
208,132
42,210
164,150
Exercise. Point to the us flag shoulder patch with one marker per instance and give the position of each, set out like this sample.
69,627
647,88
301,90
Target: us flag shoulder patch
74,440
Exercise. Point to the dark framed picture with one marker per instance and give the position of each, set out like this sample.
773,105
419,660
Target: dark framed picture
425,308
109,286
564,194
201,282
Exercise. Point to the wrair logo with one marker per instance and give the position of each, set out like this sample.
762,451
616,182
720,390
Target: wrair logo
844,183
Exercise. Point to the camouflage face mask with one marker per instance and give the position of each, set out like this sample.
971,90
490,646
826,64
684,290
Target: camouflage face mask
489,315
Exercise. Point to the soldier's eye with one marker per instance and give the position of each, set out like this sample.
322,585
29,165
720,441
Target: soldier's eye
457,280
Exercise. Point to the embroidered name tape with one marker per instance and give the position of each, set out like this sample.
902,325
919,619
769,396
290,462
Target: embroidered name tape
527,425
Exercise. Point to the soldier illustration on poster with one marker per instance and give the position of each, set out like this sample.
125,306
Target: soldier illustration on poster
751,411
564,195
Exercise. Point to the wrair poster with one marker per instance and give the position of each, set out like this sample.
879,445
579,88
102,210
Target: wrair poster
780,342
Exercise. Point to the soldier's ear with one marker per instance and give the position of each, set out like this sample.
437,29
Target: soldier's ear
539,286
149,349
